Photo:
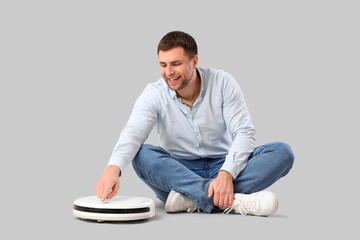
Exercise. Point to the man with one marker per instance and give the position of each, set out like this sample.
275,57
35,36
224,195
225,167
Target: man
207,160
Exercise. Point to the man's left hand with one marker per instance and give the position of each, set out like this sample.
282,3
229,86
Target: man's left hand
222,188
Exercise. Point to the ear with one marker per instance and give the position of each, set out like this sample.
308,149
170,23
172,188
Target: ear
195,61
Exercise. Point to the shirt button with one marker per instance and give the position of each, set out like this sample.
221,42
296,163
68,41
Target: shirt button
197,134
201,146
193,118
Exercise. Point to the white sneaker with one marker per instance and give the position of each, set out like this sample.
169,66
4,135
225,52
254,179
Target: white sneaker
176,202
263,203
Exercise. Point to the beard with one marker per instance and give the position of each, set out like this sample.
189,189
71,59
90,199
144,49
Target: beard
184,82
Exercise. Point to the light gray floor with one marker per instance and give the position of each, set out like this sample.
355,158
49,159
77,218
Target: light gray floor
196,224
290,221
302,213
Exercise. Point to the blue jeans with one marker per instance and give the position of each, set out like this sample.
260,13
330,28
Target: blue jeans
163,173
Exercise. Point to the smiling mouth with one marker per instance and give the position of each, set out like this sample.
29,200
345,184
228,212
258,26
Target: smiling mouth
174,79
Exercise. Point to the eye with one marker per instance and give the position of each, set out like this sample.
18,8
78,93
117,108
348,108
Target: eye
177,64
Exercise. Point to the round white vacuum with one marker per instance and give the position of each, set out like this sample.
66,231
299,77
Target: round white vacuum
119,208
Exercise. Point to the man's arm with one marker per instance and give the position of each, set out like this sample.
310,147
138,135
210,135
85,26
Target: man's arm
133,135
238,121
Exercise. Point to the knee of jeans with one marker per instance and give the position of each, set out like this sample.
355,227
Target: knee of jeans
137,169
140,166
143,152
139,157
287,154
145,157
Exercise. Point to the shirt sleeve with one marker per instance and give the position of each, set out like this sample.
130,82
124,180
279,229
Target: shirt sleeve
137,129
238,121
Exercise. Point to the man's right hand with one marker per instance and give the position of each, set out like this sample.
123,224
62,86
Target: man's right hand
109,183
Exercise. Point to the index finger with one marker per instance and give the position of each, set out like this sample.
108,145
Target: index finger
105,192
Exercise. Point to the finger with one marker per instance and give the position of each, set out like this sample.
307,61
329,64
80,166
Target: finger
210,190
114,191
101,190
105,192
225,203
111,195
219,201
216,199
97,190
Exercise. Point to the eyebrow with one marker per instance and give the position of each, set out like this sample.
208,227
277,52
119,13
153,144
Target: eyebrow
176,61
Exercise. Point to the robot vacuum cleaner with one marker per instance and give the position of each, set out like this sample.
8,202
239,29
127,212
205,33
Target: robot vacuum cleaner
119,208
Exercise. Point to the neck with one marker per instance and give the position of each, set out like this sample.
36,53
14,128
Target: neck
192,90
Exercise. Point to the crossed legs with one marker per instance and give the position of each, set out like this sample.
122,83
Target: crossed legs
163,173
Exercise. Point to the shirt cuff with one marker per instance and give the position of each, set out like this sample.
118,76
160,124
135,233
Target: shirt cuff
229,168
233,168
121,164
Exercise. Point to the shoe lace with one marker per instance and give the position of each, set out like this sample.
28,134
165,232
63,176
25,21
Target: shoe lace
191,206
242,204
193,209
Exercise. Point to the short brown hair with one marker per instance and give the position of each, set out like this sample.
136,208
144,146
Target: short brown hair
178,39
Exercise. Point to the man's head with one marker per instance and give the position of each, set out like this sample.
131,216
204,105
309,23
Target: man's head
178,39
178,60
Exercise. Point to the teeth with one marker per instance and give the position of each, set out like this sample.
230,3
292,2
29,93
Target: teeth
173,79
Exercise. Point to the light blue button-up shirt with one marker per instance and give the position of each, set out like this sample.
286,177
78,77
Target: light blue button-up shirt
218,125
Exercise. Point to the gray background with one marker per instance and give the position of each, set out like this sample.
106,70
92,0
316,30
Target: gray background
71,70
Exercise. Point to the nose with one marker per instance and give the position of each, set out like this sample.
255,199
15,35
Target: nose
169,71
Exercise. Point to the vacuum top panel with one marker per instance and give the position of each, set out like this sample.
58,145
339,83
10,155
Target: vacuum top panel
121,202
